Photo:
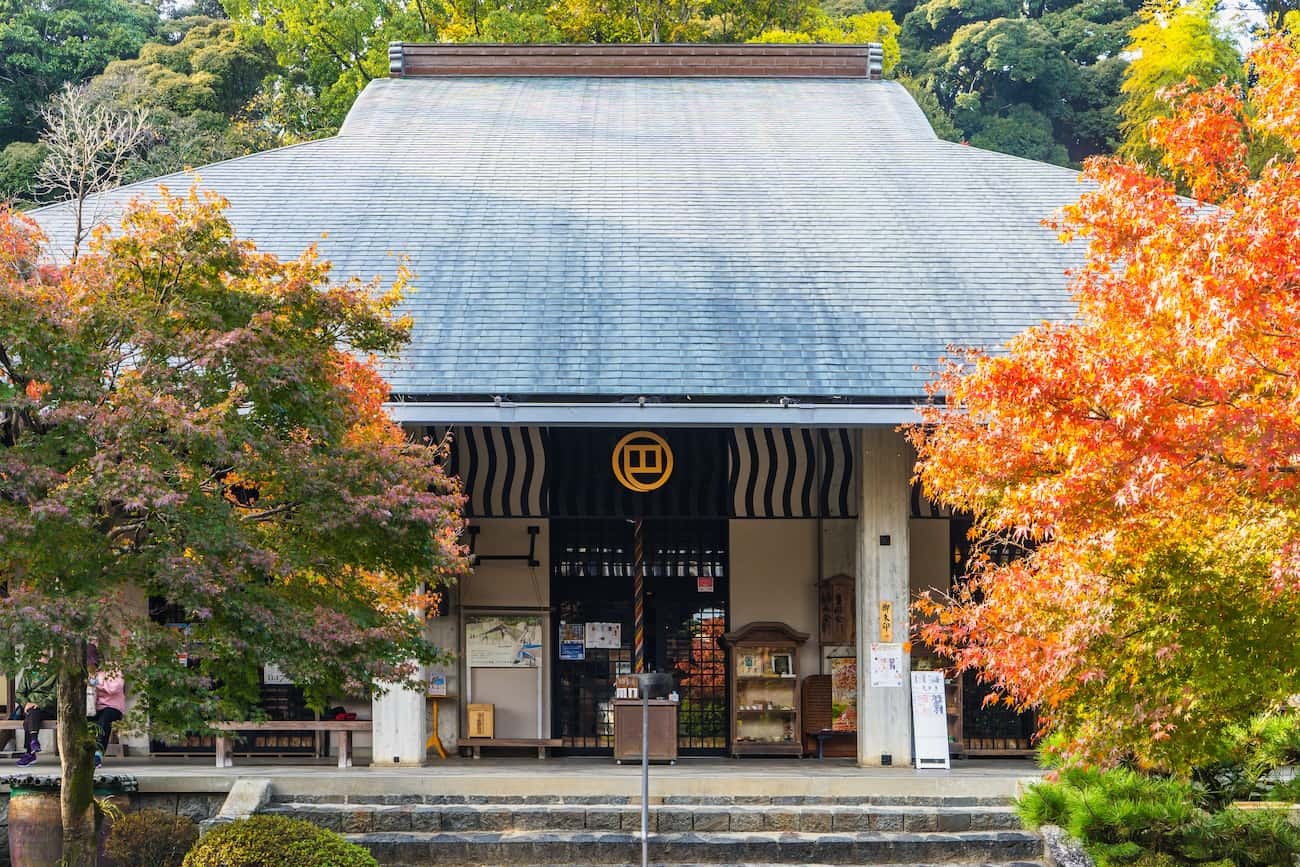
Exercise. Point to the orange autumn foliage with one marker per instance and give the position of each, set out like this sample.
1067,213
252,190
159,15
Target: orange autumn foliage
1146,454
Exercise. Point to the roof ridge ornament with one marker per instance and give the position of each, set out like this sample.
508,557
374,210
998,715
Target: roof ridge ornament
637,60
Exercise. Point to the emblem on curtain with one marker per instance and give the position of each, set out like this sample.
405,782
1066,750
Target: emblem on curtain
642,461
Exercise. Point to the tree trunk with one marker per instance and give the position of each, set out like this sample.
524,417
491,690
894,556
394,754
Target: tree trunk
77,757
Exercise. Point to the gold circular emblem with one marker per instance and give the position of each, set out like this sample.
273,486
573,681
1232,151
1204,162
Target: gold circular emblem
642,461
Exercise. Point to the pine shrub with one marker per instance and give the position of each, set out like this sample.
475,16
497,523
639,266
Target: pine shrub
276,841
1126,818
150,838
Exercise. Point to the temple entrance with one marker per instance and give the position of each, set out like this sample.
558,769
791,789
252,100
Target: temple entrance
686,593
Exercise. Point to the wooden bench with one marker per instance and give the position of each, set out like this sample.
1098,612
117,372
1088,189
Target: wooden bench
477,744
16,725
344,728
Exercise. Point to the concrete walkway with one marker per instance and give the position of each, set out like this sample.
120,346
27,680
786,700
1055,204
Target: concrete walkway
701,778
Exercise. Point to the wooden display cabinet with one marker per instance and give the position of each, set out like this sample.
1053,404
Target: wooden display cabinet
765,689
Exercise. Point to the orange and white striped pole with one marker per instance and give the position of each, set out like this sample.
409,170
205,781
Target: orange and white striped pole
638,598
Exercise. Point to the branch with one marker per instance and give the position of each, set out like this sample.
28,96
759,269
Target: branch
268,514
1284,469
10,371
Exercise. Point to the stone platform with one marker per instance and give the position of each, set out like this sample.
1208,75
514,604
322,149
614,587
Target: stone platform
587,810
690,777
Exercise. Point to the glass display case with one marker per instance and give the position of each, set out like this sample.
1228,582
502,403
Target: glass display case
765,689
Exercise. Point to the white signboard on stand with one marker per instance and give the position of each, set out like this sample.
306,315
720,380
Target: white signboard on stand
929,720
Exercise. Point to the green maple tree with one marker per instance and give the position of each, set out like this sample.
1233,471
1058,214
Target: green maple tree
185,417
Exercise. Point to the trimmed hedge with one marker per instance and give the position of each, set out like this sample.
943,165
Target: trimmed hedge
276,841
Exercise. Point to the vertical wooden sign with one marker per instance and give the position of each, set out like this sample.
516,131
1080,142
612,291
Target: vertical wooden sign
886,622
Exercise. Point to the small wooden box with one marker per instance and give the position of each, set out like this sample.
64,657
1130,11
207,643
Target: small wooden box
662,718
482,720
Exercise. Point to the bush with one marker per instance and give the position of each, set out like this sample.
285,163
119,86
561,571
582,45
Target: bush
1123,817
1288,792
276,841
150,838
1252,752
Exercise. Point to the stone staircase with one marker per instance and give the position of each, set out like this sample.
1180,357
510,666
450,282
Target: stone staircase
413,830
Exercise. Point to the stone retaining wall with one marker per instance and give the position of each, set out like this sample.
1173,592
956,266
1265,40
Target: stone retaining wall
197,806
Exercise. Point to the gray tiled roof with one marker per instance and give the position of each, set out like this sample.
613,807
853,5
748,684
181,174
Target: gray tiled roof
740,237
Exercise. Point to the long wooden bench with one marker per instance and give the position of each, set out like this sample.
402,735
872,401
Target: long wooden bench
344,728
477,744
16,725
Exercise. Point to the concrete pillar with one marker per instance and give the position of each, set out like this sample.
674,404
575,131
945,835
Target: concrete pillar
400,728
884,471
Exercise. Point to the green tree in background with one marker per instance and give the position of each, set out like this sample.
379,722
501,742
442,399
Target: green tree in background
195,92
862,27
330,50
334,47
1175,42
18,164
45,44
1031,79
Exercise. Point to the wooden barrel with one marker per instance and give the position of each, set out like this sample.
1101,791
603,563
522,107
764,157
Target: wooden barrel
36,824
35,827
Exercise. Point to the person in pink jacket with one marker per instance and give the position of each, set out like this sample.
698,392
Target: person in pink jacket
110,701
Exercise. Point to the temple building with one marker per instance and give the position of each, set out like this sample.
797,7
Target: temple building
673,303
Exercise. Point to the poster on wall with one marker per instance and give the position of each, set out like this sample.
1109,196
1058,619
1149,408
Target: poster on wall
503,641
603,635
929,720
887,665
572,646
271,674
844,693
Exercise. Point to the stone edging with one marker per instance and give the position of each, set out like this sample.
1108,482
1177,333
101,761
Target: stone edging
1062,850
118,782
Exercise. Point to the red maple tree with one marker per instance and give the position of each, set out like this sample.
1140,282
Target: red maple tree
1146,454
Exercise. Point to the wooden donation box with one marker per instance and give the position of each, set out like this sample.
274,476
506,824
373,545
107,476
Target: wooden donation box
482,720
662,733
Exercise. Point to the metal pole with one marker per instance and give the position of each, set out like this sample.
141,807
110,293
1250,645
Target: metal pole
645,772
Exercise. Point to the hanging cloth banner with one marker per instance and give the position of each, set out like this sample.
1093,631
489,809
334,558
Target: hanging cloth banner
929,720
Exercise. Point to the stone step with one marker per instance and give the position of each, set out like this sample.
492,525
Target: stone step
413,849
710,818
670,800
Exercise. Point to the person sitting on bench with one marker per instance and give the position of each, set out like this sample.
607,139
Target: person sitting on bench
37,696
110,701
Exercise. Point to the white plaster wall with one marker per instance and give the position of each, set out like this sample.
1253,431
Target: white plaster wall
508,584
774,577
839,551
929,557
